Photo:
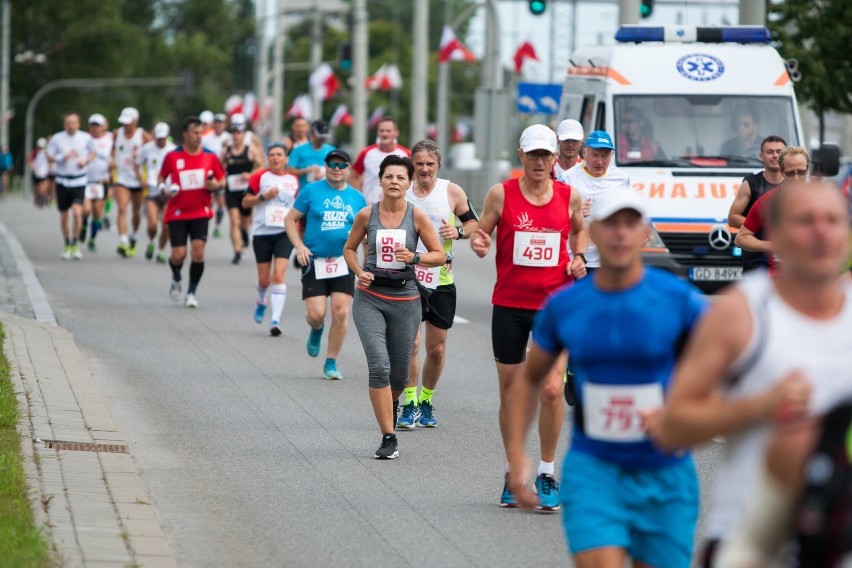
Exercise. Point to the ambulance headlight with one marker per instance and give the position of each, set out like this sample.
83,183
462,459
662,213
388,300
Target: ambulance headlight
655,242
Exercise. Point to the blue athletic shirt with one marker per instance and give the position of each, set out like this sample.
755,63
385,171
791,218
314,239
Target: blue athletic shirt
329,214
306,155
629,337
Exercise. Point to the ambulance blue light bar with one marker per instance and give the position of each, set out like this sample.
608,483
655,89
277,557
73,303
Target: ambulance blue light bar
689,34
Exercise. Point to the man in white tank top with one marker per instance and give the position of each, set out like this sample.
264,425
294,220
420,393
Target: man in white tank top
445,203
772,350
129,139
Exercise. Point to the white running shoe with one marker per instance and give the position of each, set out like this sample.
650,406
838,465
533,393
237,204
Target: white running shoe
66,252
174,291
190,301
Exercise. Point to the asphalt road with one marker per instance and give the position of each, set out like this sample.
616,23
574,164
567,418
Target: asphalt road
251,458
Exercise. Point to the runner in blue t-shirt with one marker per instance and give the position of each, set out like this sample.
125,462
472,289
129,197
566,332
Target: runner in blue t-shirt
623,329
307,160
328,207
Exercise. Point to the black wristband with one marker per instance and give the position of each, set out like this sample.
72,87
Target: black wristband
583,256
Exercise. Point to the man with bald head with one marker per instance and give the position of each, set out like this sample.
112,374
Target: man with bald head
773,350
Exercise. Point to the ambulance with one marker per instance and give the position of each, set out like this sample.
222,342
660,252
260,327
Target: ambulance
687,108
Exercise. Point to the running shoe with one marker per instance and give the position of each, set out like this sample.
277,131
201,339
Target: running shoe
161,257
427,417
409,416
548,493
217,233
329,370
238,256
75,252
66,252
149,251
507,500
123,250
314,341
174,291
131,250
190,301
389,448
92,246
275,329
105,223
395,410
259,312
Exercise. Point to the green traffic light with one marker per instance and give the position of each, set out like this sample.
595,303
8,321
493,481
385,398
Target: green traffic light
537,7
646,8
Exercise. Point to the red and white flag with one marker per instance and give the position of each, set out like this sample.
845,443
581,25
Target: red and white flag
376,117
233,104
340,117
324,82
460,132
386,78
302,107
247,106
451,49
525,51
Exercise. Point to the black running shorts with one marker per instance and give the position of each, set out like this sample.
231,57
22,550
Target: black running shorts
193,229
510,332
268,246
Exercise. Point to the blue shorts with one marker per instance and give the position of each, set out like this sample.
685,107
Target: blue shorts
651,513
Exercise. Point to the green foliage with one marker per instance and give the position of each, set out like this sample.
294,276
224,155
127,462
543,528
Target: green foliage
817,32
21,543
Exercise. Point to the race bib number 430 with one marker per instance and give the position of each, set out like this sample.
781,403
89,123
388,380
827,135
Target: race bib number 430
536,249
611,412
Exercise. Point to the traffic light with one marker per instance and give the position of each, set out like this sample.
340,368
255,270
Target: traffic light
646,8
537,7
345,56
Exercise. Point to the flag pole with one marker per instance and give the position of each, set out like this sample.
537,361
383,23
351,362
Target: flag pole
443,90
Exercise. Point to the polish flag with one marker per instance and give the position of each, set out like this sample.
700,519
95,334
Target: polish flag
376,117
525,51
386,78
250,107
451,49
340,117
302,107
324,82
460,132
233,105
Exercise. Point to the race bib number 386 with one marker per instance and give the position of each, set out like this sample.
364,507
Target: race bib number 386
611,412
536,249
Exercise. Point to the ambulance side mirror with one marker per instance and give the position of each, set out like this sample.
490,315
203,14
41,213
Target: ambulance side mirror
825,161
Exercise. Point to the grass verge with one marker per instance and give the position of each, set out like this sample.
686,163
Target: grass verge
21,543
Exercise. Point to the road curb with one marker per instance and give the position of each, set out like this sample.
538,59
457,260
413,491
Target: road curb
38,299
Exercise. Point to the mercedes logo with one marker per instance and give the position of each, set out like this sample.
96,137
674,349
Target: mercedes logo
720,237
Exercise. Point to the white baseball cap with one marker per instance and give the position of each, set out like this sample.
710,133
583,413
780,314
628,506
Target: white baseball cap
98,119
538,137
41,142
570,129
206,116
611,202
128,115
238,118
161,130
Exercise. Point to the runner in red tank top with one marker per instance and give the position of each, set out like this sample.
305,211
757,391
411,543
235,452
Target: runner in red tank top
536,219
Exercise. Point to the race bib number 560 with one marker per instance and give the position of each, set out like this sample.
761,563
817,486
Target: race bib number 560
611,412
536,249
387,241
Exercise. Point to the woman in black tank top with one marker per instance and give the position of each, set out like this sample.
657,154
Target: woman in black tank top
240,161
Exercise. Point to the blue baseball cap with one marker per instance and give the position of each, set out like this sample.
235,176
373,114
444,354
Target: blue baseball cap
600,139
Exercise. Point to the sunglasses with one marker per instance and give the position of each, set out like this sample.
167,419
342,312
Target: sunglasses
798,173
337,165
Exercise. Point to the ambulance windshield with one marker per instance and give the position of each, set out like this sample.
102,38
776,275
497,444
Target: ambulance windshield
699,130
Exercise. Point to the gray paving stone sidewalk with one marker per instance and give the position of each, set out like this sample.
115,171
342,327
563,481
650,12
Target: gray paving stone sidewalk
86,493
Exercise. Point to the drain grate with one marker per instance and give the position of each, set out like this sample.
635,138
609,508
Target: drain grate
85,447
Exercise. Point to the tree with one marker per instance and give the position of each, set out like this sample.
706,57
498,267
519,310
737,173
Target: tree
816,33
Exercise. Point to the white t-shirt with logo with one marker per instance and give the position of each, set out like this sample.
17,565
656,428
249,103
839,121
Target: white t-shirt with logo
151,158
367,164
268,216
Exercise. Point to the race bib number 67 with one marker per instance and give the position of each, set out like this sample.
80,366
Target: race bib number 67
536,249
611,412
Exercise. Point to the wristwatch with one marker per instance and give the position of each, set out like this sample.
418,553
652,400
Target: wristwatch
416,259
583,256
461,233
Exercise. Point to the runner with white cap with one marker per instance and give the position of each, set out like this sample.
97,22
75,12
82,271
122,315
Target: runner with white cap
535,217
206,118
97,178
238,120
570,136
593,178
129,139
151,159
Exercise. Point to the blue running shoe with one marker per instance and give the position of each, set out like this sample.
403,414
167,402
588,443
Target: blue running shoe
507,500
274,328
259,312
329,370
427,418
408,418
548,493
315,341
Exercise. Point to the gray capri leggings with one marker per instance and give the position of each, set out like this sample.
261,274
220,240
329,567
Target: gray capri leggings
387,329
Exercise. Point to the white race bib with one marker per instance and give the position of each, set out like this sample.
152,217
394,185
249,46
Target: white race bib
94,191
236,182
387,241
536,249
330,267
611,412
274,214
192,179
428,276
